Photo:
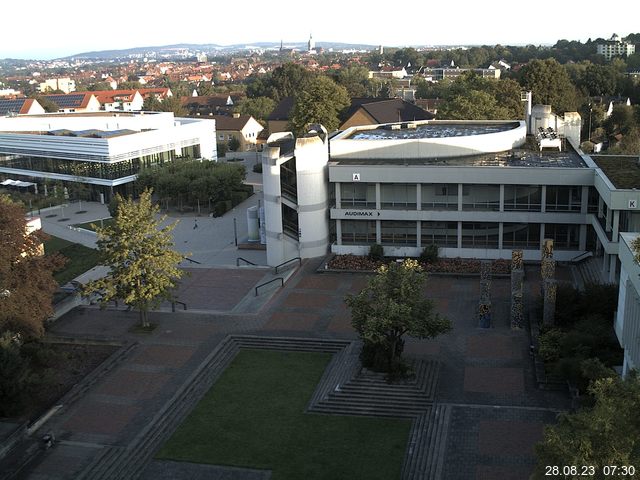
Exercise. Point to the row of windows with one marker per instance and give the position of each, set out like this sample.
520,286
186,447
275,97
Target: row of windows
110,171
445,234
474,197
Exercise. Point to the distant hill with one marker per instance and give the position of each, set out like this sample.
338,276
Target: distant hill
213,48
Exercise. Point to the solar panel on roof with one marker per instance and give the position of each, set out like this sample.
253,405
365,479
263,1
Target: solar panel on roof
13,106
71,100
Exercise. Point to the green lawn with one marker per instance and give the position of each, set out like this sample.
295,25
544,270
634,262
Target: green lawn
88,226
254,417
81,258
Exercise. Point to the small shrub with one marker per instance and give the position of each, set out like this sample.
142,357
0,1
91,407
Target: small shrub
220,208
234,144
376,252
429,254
238,197
549,344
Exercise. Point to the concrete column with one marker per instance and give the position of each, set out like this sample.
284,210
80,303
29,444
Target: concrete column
608,221
418,196
584,206
459,234
613,264
541,236
339,232
605,262
459,197
502,198
600,206
378,232
583,238
418,230
500,233
543,200
338,195
616,225
378,197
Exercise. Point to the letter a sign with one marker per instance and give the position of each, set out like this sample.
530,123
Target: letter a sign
356,177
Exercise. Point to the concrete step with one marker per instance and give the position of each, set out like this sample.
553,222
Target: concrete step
366,411
425,452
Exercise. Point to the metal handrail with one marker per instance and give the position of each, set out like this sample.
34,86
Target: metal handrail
244,260
270,281
577,258
288,261
192,261
173,305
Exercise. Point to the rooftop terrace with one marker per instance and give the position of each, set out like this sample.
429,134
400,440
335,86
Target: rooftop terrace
526,156
622,170
409,131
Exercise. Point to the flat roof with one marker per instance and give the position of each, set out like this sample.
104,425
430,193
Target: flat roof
430,129
622,170
527,156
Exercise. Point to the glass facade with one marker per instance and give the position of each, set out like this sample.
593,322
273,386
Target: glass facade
102,170
521,235
565,237
440,196
358,195
355,232
396,232
290,222
443,234
401,196
563,199
523,198
480,235
481,197
288,179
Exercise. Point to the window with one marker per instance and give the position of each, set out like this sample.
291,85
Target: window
358,195
400,196
398,232
358,232
522,198
563,199
442,234
521,235
481,197
480,235
565,237
440,196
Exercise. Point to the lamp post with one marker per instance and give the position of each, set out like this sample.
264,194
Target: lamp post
590,111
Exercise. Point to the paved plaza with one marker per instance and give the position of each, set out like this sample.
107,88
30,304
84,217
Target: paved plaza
486,377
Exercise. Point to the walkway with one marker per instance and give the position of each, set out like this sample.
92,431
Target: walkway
494,412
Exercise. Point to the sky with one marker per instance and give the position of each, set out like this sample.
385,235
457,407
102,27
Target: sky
53,31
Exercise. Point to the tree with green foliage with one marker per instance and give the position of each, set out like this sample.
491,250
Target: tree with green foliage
601,80
288,80
258,107
471,97
550,84
143,267
390,306
606,434
355,78
198,183
234,144
321,101
49,105
26,276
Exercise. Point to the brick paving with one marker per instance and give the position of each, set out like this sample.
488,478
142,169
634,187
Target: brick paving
486,375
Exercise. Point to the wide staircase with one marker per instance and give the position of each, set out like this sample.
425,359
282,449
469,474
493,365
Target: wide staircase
343,389
590,271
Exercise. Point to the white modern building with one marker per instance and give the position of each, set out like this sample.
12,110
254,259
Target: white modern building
615,47
104,150
476,189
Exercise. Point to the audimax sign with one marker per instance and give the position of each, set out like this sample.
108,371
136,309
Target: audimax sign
361,213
